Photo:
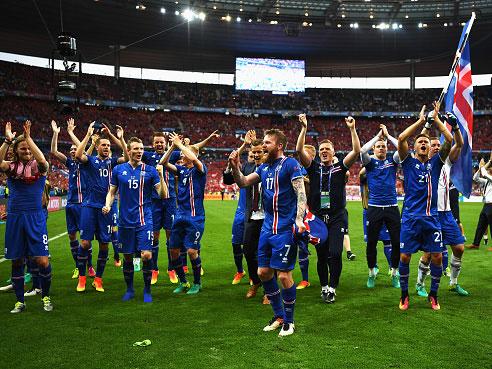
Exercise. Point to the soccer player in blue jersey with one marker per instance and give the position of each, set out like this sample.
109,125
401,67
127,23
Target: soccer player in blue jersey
451,233
382,206
26,233
76,191
284,202
93,222
420,227
189,222
135,182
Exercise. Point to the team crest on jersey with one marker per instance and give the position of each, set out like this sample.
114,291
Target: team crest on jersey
124,173
429,166
96,161
417,166
265,169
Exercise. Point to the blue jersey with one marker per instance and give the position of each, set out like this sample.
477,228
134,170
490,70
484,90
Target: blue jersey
152,158
279,198
135,186
76,182
241,204
381,181
25,196
97,172
191,191
421,181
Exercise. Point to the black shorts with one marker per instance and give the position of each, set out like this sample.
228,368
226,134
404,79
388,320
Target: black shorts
454,196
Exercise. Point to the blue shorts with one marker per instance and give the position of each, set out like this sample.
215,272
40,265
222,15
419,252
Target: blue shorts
451,233
383,233
163,213
72,216
277,251
420,233
94,223
238,228
131,240
187,231
26,234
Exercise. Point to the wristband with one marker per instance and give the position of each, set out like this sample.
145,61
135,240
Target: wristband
427,125
8,142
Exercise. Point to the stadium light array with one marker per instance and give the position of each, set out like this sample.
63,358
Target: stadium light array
190,15
140,6
238,19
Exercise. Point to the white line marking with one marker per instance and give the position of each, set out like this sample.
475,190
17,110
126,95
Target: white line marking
51,239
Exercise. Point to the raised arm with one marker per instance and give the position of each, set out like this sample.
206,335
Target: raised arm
162,189
36,152
9,139
80,154
111,136
407,133
248,139
304,158
70,129
448,138
239,177
186,151
91,148
201,144
298,185
165,159
352,155
54,143
364,151
458,138
109,199
120,135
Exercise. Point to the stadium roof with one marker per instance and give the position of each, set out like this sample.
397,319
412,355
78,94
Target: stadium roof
336,38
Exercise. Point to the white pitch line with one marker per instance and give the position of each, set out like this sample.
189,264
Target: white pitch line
51,239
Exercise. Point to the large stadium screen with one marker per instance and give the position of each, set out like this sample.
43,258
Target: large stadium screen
275,75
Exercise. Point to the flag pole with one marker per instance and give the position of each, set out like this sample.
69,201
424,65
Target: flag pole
457,58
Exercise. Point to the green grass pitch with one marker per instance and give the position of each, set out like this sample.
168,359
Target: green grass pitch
220,329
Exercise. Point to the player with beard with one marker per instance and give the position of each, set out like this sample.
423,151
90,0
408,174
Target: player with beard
451,233
135,182
327,200
420,227
284,203
26,233
93,222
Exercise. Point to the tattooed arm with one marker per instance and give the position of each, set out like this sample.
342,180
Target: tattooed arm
298,185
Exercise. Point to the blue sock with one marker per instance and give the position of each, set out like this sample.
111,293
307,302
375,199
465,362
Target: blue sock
45,277
387,251
147,274
404,273
445,259
74,247
18,281
89,256
436,272
155,254
289,298
34,270
102,258
128,274
304,264
182,255
237,251
114,242
273,293
82,257
197,266
178,268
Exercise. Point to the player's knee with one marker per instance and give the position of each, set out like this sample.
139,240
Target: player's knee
425,258
128,257
146,255
458,250
285,279
265,274
42,261
174,253
72,236
405,258
436,258
193,254
157,234
86,244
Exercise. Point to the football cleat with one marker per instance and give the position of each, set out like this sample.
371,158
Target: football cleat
98,284
287,329
404,302
172,276
155,274
75,273
194,289
47,305
376,271
91,271
237,277
273,324
81,284
434,304
7,288
32,292
350,255
446,272
185,269
19,307
129,294
395,281
302,285
202,272
117,263
147,297
182,287
265,300
472,247
421,290
324,295
371,281
458,289
252,291
27,278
